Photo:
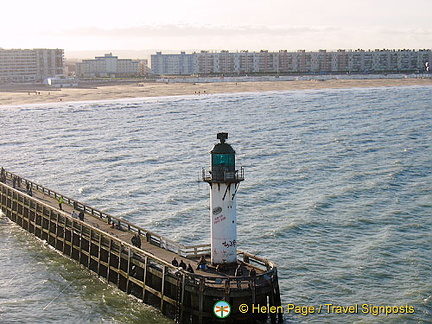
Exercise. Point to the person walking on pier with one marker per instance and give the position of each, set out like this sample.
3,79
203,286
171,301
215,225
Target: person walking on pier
136,241
81,215
60,202
174,262
3,175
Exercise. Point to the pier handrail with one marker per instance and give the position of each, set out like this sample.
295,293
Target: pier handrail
97,230
233,282
209,281
146,273
151,237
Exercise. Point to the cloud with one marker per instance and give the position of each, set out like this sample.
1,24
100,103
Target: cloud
183,36
185,30
405,32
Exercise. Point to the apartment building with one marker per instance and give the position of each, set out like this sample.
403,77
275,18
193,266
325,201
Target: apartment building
301,61
174,64
30,65
111,66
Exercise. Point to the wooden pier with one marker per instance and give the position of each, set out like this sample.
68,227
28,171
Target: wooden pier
102,243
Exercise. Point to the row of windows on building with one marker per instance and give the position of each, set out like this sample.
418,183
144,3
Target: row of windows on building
111,66
224,62
30,65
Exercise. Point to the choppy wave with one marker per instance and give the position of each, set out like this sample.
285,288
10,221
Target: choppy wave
337,193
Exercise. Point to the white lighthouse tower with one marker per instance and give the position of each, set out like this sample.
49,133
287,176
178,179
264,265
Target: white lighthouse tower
224,180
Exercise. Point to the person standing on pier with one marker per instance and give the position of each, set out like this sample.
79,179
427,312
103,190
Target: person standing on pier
60,202
81,215
182,265
3,175
238,271
189,268
138,241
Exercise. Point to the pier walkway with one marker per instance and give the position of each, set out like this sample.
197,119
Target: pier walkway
151,243
103,243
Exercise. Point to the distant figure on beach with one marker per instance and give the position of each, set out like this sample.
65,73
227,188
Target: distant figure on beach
74,215
174,262
60,202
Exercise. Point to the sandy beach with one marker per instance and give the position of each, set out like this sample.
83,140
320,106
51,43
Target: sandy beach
20,95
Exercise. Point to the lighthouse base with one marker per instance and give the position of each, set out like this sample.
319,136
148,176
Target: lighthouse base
225,267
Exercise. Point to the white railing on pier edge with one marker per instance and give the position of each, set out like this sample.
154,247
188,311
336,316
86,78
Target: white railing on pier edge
152,238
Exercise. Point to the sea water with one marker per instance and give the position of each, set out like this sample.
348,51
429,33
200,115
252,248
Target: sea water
337,192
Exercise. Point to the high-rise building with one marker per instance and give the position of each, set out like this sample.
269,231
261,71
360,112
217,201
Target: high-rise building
30,65
174,64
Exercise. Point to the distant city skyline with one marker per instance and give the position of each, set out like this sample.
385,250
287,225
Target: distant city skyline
224,25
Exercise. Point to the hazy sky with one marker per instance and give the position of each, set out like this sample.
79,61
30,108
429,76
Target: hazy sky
216,24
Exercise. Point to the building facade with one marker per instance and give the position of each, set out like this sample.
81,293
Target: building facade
111,66
174,64
30,65
322,61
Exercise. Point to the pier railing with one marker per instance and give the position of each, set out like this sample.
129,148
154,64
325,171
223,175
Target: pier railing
193,251
148,275
269,268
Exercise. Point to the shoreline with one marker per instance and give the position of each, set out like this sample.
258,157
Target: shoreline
39,94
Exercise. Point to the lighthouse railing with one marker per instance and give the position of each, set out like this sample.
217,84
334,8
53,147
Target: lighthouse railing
236,176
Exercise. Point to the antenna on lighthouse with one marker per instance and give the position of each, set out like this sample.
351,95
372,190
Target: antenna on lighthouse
223,179
222,137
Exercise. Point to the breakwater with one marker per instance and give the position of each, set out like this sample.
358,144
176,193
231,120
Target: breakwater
101,243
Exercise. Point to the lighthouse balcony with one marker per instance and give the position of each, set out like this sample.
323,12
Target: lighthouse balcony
225,176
